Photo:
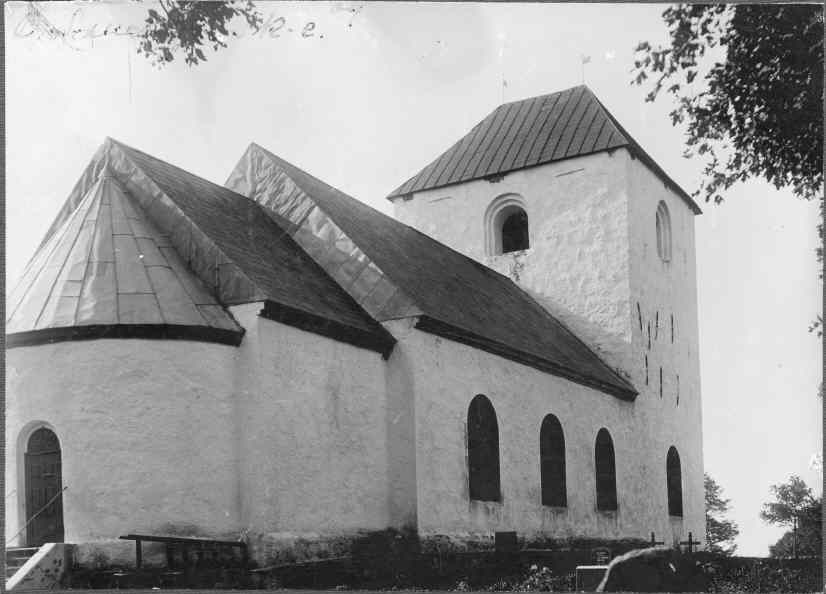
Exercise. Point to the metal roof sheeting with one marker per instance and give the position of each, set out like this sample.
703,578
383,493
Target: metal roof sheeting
141,244
107,264
532,132
395,271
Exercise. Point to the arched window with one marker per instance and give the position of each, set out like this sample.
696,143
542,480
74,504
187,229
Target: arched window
515,231
506,222
605,471
483,450
663,232
552,459
675,483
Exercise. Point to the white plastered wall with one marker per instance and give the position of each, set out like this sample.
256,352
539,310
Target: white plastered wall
592,258
144,429
663,289
313,423
577,264
284,438
447,376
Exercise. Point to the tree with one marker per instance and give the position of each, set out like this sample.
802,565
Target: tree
758,110
761,103
720,532
184,25
809,535
179,27
792,506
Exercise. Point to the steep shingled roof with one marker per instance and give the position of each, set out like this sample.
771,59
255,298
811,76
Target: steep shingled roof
395,271
530,132
227,242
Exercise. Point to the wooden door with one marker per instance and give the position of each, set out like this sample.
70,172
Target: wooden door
44,501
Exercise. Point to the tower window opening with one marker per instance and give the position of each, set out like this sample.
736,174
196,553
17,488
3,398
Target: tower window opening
661,382
672,328
646,370
515,232
663,228
506,225
678,389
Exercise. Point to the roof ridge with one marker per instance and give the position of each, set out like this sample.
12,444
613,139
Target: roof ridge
486,269
345,212
488,154
649,160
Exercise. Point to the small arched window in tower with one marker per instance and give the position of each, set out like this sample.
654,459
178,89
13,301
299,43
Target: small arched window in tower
506,225
663,232
606,476
675,484
483,450
515,232
552,462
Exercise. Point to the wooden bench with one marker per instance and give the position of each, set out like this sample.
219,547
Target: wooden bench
199,546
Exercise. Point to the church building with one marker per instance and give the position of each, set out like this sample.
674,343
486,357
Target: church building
275,361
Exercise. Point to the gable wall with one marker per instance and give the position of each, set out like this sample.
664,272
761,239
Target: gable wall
577,264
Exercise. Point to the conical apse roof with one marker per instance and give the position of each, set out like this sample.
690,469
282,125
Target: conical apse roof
106,270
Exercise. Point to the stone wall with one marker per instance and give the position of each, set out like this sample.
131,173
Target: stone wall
577,264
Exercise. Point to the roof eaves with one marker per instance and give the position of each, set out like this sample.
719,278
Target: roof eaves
378,340
636,150
145,331
621,389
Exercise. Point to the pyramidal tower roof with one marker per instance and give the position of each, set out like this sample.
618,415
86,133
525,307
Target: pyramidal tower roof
531,132
147,250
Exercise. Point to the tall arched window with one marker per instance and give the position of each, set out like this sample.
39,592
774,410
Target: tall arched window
483,450
606,476
506,225
675,483
663,232
552,460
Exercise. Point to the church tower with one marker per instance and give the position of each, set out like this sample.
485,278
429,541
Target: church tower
552,192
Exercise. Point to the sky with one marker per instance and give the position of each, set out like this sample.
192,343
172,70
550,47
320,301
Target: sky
363,96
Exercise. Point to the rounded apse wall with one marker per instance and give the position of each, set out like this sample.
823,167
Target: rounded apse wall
144,428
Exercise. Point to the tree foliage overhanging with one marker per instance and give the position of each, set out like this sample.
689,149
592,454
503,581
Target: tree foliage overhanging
187,26
757,112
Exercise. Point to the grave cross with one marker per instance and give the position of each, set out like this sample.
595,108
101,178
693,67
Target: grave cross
654,543
691,543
